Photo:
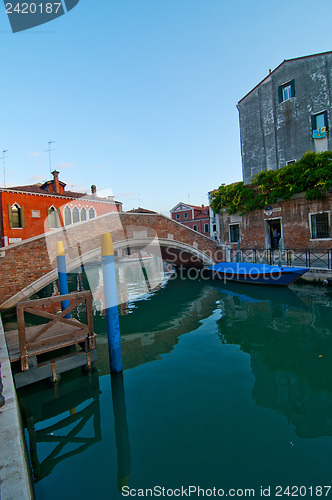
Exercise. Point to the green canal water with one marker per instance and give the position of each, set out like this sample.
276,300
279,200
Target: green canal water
224,386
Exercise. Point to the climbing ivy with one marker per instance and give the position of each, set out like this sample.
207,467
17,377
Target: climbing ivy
311,174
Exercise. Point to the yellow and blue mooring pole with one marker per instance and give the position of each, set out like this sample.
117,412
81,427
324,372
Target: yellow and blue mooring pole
62,274
111,303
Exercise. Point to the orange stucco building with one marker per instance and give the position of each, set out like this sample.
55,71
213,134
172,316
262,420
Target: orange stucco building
27,211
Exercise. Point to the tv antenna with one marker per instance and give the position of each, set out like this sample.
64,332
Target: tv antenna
49,154
4,166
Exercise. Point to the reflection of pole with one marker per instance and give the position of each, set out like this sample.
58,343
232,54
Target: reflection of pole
145,274
121,429
62,274
111,303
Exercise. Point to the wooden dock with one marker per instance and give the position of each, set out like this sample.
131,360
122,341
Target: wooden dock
28,344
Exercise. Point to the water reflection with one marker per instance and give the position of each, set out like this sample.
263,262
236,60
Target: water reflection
158,323
288,336
121,429
67,418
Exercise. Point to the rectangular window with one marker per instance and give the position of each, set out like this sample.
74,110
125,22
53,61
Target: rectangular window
177,216
319,124
206,228
286,91
214,228
320,226
185,215
194,227
289,162
234,233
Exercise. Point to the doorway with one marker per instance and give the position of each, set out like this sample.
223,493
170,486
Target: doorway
273,233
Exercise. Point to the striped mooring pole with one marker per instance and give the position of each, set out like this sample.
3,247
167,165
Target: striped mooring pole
62,275
111,303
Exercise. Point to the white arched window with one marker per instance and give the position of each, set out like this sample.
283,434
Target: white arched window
84,214
67,216
92,213
76,215
53,218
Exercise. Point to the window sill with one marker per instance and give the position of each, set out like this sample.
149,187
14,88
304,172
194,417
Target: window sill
320,239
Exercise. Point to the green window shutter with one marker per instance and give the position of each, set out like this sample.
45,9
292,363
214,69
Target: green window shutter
22,218
313,122
280,93
293,87
326,120
10,216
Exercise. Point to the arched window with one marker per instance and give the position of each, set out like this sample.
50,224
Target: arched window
92,213
16,215
67,216
84,214
76,215
53,218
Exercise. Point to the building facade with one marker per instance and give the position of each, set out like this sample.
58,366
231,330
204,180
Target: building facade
287,114
301,224
192,216
28,211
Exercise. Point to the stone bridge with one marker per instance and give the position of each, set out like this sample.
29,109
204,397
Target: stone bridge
28,266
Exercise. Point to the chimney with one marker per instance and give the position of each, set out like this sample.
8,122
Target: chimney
94,191
56,185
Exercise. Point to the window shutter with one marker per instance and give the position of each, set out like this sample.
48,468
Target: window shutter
58,222
293,87
10,218
280,93
48,211
22,218
326,120
313,122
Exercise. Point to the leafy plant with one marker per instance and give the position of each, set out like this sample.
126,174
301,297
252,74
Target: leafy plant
311,174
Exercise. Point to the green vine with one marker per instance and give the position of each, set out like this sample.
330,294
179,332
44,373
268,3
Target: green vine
311,174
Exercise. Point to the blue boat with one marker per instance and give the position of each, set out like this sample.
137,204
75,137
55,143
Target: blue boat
262,274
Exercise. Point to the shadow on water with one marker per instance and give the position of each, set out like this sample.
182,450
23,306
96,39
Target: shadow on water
288,336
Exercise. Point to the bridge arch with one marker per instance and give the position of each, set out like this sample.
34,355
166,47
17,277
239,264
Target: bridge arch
175,243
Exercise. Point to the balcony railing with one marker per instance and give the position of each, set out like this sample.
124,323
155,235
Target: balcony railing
319,259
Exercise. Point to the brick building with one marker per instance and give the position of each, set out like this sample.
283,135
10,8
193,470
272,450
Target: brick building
301,223
192,216
27,211
287,114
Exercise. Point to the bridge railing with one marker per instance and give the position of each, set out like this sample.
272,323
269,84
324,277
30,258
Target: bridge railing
319,259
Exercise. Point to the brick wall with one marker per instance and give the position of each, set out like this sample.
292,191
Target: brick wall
294,216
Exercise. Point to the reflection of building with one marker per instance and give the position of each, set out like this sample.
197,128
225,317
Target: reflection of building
27,211
288,337
286,114
192,216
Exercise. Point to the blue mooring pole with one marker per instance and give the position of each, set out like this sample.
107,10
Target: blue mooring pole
62,275
111,303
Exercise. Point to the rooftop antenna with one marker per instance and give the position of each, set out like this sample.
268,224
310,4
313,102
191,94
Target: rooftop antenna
4,166
49,154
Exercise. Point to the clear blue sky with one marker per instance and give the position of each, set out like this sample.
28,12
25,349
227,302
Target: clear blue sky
140,95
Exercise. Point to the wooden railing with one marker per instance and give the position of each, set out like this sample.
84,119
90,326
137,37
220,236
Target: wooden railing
59,332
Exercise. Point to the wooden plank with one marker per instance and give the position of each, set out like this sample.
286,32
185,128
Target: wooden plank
57,319
62,364
22,339
55,298
89,318
51,338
